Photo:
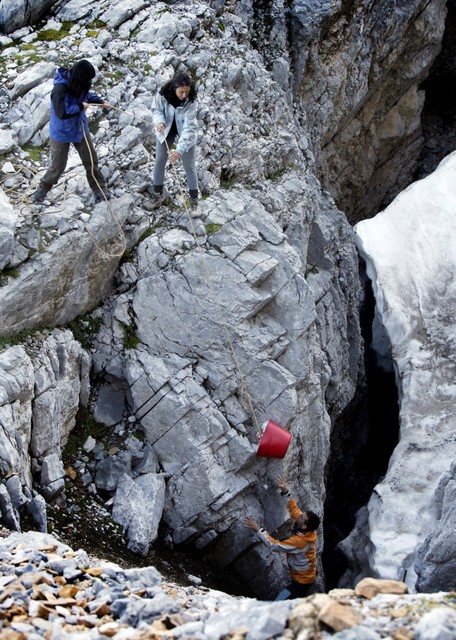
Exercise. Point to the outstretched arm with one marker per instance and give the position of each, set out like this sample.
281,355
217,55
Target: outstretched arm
281,484
292,507
250,523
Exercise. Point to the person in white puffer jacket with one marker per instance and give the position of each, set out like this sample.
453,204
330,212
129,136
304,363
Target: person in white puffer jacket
174,117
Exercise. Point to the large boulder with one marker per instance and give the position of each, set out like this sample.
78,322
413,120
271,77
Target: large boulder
15,14
48,290
7,228
41,390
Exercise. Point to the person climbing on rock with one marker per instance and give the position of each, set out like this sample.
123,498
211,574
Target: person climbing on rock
300,546
70,98
174,116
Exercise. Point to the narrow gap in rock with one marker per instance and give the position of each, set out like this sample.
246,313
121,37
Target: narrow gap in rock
362,440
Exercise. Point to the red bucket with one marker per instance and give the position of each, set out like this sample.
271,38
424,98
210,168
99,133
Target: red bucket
274,441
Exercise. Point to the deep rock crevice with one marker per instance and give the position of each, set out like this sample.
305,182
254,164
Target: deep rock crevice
362,440
366,433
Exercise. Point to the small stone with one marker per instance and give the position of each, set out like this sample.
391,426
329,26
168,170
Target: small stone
370,587
108,629
339,616
89,444
8,167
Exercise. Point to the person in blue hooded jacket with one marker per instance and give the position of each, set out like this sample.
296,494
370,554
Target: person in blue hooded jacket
174,113
70,98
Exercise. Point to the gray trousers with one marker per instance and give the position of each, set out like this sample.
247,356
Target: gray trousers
59,158
188,162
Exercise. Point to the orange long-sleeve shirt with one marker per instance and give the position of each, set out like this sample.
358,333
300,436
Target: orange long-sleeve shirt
300,549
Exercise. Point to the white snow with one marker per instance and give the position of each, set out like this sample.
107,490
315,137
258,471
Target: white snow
410,254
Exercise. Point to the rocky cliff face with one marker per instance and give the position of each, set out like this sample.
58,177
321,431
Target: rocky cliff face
358,70
205,329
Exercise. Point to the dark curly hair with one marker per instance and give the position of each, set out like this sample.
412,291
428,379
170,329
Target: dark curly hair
180,79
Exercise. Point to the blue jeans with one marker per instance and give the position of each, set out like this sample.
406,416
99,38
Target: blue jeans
294,590
188,162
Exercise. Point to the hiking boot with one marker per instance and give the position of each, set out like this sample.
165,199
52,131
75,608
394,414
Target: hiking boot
39,195
194,208
155,201
101,196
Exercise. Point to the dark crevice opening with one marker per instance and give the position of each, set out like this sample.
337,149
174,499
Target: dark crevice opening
438,118
362,440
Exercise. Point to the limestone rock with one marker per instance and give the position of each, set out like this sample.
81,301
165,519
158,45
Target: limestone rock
7,229
16,393
438,624
378,104
370,587
140,523
58,387
52,475
53,291
14,488
436,558
15,14
40,395
32,113
183,373
8,512
30,78
46,581
7,141
111,470
339,616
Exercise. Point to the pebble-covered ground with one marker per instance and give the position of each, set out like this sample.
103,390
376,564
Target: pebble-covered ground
48,590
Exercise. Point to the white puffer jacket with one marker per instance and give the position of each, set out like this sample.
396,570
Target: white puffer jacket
186,122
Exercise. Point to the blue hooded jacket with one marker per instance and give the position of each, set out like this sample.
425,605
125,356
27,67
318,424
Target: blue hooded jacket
67,112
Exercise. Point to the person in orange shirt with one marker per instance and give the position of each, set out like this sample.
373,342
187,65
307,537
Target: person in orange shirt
300,546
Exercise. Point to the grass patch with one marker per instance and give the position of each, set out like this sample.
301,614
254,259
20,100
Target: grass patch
139,435
114,75
227,178
311,269
33,153
84,329
52,35
276,175
16,339
88,427
131,340
212,228
96,24
145,234
8,273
